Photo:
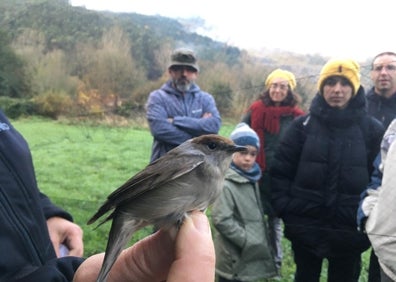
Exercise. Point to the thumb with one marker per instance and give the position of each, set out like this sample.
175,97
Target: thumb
194,253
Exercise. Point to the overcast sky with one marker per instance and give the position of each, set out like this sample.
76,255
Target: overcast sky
336,28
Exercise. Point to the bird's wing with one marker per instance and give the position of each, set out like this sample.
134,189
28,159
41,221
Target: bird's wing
153,176
157,174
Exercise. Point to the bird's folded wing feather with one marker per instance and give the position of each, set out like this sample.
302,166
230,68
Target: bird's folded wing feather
156,175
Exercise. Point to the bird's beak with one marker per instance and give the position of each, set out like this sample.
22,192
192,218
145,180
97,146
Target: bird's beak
236,148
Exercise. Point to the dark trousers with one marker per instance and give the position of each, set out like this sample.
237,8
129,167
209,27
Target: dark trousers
340,269
374,274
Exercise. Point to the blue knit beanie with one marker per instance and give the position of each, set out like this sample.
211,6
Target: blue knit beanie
243,135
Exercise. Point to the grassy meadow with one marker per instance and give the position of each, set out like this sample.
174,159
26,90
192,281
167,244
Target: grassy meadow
78,165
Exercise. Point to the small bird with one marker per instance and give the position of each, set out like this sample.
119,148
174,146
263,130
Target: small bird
189,177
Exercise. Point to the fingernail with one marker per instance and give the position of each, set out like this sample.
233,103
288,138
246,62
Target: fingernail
201,222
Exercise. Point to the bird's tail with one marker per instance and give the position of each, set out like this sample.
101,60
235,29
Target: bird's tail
121,231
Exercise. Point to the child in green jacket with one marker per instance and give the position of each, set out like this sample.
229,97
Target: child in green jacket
242,243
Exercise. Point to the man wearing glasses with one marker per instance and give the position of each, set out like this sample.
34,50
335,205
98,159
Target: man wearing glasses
381,98
381,102
180,110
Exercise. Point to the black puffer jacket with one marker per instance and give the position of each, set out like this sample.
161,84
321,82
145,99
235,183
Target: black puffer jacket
25,246
322,165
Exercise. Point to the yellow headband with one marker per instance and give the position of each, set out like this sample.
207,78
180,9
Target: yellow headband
279,73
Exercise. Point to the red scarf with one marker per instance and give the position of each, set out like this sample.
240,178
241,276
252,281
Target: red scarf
267,119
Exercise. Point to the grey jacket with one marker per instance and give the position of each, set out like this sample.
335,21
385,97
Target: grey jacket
241,235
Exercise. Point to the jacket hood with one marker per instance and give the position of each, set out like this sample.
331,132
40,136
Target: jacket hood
233,176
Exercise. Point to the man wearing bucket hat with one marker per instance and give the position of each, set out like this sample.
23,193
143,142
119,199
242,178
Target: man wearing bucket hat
322,165
180,110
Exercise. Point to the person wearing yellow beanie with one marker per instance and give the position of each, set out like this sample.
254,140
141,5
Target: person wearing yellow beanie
339,82
283,74
269,116
320,168
348,69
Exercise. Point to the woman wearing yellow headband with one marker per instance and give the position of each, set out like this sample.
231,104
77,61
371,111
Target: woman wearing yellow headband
269,115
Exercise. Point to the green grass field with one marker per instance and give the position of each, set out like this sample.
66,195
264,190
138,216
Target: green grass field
78,165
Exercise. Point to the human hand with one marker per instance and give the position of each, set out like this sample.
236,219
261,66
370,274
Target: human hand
206,115
159,257
65,232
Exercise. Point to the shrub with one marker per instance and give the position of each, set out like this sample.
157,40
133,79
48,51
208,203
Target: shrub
15,108
52,104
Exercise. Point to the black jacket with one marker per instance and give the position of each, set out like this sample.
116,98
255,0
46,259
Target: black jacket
383,109
322,165
25,246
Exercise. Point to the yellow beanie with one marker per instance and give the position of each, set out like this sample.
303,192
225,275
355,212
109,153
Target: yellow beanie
279,73
349,69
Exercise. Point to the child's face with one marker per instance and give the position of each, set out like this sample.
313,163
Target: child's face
245,160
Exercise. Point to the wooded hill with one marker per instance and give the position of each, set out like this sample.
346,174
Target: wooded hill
57,59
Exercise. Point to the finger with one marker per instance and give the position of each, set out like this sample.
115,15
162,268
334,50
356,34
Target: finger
76,250
74,241
195,255
89,269
147,260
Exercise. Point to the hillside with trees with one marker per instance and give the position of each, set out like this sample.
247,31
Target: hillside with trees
56,59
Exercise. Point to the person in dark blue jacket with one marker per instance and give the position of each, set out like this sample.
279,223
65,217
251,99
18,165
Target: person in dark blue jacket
381,98
33,229
180,110
322,165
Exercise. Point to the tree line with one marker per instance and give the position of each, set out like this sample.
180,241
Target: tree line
56,59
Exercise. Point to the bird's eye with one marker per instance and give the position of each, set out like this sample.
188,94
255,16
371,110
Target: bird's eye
212,145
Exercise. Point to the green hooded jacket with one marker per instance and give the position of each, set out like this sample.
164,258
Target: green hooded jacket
242,244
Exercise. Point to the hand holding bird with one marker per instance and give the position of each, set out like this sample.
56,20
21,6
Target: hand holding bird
189,177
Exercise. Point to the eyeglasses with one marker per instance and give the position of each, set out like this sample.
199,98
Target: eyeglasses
282,87
183,68
379,68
